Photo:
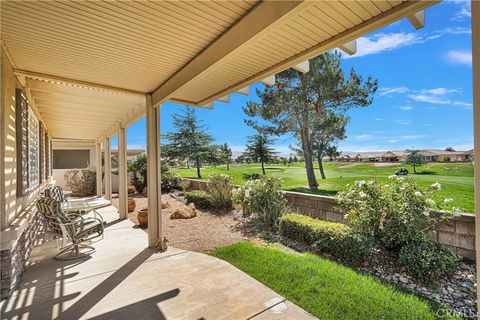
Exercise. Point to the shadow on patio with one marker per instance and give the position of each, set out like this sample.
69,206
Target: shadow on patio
123,280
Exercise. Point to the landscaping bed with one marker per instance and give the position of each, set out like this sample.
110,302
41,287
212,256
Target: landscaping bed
203,233
325,288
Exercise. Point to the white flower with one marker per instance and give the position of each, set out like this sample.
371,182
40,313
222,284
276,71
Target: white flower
346,216
426,213
436,186
418,193
448,200
362,194
360,183
430,202
392,177
457,211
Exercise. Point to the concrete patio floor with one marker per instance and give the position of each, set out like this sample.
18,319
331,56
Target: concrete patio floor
125,280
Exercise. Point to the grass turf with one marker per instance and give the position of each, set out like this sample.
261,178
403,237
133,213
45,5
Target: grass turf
324,288
456,178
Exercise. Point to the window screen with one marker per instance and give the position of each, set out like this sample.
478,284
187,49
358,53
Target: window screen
71,159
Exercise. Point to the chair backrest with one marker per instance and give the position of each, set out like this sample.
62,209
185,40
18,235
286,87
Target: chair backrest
56,193
56,218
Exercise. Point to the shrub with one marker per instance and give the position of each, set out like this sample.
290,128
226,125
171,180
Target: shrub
252,176
220,189
184,184
395,213
428,260
334,238
170,181
139,170
81,182
200,198
264,199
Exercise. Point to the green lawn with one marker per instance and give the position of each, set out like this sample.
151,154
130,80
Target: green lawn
324,288
456,178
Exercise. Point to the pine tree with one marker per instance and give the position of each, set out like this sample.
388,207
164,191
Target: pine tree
190,140
258,149
298,101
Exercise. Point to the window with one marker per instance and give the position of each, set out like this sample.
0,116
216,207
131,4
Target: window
71,159
27,129
33,150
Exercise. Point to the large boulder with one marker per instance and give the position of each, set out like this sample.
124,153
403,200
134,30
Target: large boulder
186,212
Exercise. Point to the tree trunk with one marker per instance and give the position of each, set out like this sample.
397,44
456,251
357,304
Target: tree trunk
414,169
320,167
312,180
263,168
228,166
197,162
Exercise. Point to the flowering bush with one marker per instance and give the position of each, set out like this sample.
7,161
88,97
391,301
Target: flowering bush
394,213
264,199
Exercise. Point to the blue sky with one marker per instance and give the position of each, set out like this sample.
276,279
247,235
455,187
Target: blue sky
424,98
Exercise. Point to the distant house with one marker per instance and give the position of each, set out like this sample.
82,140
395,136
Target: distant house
370,156
394,156
429,155
436,155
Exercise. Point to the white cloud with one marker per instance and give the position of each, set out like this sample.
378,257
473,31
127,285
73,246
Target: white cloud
403,122
379,119
382,42
363,137
440,96
435,99
464,9
413,136
439,91
387,91
406,108
459,57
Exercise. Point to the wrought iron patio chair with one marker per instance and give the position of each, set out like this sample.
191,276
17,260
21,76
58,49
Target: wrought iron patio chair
78,231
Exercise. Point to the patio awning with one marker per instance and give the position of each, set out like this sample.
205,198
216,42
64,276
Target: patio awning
88,65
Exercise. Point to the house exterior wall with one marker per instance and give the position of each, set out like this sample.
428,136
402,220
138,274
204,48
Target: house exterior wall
458,233
59,174
20,221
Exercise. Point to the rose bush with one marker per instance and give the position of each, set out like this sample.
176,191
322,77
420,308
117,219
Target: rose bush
394,213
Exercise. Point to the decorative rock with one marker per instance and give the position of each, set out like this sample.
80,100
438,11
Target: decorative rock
403,279
165,205
185,213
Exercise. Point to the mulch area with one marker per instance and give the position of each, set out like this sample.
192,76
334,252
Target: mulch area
203,233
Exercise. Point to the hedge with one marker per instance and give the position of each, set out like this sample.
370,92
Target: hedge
333,238
200,198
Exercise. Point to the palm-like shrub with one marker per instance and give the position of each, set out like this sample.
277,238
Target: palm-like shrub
264,199
220,189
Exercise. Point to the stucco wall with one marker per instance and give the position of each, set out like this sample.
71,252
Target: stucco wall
458,234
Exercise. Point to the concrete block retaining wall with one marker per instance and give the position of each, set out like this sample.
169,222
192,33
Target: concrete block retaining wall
458,234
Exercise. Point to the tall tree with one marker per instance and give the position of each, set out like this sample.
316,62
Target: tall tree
328,131
189,140
226,154
415,159
258,149
298,101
